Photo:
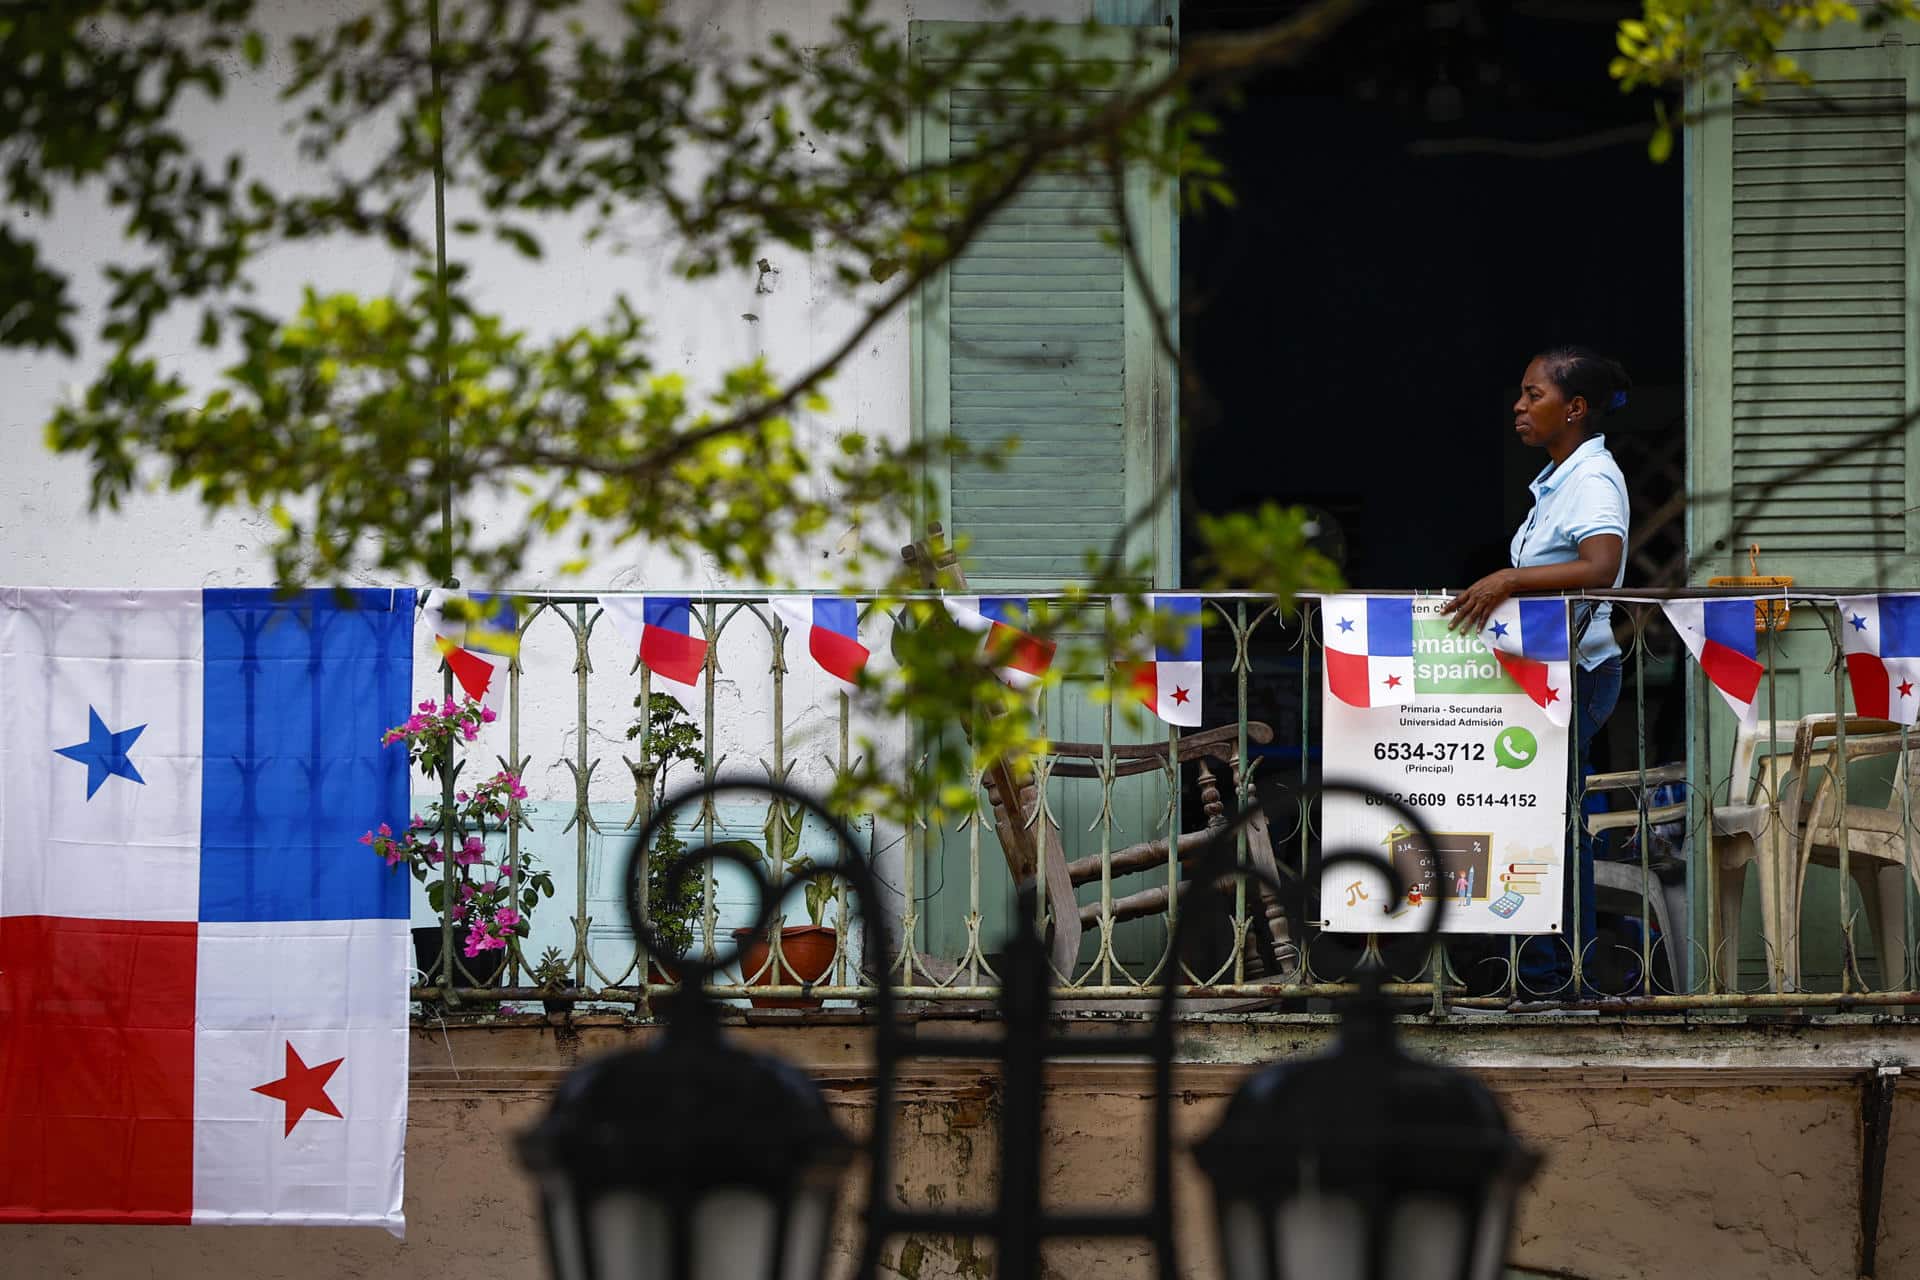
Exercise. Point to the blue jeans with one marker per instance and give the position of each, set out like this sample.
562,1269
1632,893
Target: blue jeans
1546,964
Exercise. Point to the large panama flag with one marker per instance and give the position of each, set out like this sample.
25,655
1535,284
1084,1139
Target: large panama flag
203,988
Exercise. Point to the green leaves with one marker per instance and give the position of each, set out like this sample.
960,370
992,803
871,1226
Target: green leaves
1730,47
349,419
1269,550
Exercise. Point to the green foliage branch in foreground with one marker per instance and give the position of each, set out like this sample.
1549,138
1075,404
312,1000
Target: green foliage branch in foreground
379,432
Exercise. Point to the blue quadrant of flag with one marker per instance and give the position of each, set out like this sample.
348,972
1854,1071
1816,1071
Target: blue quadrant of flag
1181,614
1730,622
1543,630
837,614
297,694
675,613
1009,611
1389,627
1900,626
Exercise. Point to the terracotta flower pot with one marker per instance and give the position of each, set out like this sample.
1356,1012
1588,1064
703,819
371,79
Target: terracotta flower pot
806,952
662,972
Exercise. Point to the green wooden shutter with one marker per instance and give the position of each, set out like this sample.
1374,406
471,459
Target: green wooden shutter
1802,236
1039,333
1802,223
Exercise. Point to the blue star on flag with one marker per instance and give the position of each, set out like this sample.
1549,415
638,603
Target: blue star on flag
1859,622
1346,624
104,753
1499,630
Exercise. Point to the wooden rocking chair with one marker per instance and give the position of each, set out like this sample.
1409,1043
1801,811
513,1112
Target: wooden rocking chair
1030,839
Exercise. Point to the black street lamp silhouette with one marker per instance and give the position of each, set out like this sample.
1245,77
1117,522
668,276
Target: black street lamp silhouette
691,1158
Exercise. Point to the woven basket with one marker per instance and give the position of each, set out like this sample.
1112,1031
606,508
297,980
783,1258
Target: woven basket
1768,615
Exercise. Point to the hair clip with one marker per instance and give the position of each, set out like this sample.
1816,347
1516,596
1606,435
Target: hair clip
1619,400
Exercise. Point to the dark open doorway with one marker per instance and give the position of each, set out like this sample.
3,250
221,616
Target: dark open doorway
1445,188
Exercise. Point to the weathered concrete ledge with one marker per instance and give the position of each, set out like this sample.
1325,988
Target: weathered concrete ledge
1214,1050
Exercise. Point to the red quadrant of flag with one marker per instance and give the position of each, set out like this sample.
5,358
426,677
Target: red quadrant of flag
474,672
836,653
96,1069
678,657
1009,647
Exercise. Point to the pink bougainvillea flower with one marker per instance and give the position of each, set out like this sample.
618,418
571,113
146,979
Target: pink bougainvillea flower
461,796
447,708
386,830
467,729
471,852
480,939
427,706
506,917
396,853
367,838
488,715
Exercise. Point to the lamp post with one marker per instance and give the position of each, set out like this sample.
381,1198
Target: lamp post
1364,1164
692,1158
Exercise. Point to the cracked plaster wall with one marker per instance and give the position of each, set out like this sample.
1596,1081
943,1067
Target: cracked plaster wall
1756,1183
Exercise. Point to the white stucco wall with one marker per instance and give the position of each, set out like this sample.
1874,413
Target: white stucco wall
792,318
700,329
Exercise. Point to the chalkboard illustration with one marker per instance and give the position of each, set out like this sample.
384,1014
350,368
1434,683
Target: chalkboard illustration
1458,865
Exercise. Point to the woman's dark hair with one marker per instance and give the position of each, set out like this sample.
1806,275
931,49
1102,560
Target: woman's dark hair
1584,372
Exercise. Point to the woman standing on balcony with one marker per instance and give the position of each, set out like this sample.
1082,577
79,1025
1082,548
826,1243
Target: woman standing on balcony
1574,538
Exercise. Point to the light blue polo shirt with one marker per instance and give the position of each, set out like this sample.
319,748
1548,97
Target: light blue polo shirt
1583,496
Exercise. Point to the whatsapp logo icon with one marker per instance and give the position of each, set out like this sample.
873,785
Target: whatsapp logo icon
1515,748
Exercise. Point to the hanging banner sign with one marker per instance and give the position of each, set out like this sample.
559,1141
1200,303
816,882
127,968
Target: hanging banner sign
1451,734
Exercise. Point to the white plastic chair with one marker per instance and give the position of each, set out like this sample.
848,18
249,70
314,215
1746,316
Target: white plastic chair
1768,827
1879,840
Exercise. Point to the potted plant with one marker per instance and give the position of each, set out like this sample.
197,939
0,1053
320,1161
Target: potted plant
494,890
553,973
671,738
806,951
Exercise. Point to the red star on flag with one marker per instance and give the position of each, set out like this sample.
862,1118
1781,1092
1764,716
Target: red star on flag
1906,688
303,1088
1393,682
1180,695
1553,695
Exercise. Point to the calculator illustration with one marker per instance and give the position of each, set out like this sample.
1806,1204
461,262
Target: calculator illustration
1506,904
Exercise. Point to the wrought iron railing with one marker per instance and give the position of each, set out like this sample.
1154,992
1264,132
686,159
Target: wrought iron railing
1710,903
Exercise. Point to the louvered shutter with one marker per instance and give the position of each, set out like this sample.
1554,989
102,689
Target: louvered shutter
1803,331
1039,333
